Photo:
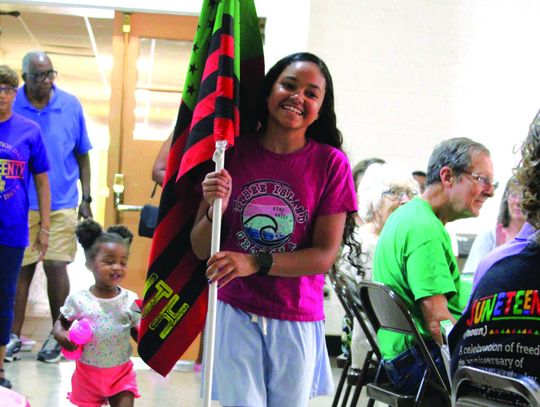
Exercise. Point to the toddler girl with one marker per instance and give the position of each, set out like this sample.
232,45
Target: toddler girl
104,373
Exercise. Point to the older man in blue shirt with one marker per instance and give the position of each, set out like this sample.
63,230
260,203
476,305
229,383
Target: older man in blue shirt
60,116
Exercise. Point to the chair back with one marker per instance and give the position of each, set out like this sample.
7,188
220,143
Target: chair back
338,282
347,291
386,310
351,292
469,374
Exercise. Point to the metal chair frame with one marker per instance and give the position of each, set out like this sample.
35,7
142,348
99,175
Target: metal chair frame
336,283
346,291
471,374
386,310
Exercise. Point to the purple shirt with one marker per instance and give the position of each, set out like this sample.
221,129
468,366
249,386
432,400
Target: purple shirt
510,248
22,153
64,133
275,201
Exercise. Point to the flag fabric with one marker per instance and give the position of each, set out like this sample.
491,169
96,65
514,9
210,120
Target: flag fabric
227,47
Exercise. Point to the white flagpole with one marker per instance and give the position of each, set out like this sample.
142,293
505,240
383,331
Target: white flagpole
210,329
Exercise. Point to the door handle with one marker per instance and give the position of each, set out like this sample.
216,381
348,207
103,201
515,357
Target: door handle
118,190
128,208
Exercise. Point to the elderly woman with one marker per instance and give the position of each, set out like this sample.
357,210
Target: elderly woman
509,223
383,188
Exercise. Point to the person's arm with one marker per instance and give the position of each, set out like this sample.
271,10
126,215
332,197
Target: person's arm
134,331
85,211
434,310
158,169
482,245
135,310
317,259
43,190
61,333
215,185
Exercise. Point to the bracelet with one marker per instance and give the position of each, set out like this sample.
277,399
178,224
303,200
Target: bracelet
208,216
45,231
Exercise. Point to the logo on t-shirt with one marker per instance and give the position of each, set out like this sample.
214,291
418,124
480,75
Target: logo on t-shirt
269,211
506,305
12,167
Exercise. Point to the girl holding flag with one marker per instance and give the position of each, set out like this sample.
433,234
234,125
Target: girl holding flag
286,194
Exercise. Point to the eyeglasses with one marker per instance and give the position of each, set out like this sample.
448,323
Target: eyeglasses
515,195
397,194
7,90
41,76
485,181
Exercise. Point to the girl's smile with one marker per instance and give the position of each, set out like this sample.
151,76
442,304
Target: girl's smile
296,96
109,267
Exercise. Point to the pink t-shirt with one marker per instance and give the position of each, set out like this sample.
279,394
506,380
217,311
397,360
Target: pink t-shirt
274,203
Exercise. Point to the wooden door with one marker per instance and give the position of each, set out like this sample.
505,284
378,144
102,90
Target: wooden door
151,55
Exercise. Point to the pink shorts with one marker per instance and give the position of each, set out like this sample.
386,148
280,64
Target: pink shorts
92,386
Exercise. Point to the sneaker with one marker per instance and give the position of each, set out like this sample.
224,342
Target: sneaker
50,352
12,349
5,383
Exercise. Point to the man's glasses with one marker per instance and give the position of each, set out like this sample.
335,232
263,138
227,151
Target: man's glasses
41,76
7,90
481,179
397,194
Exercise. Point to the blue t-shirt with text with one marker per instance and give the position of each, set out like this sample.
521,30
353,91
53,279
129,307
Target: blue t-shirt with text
22,152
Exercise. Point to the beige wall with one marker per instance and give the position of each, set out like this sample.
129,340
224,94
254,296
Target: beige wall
409,74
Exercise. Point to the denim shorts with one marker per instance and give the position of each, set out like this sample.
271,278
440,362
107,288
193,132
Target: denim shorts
406,370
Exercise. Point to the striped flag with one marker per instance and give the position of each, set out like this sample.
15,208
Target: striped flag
227,47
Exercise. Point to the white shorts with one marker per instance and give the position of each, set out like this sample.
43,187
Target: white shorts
265,362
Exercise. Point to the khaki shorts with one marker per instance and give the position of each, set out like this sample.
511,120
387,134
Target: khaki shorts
62,240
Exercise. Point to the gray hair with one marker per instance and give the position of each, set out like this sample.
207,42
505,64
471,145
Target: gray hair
378,179
361,167
8,76
455,153
29,57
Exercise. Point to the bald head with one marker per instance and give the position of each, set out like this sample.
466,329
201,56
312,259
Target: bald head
32,58
38,75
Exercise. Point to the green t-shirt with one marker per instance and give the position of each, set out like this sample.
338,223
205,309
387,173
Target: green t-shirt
414,257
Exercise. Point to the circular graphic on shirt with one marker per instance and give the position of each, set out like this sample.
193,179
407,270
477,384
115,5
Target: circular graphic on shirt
12,169
268,221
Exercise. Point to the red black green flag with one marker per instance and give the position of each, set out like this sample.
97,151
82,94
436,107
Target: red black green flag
227,48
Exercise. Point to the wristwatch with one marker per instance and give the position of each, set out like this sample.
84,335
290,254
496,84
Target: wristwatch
87,198
266,261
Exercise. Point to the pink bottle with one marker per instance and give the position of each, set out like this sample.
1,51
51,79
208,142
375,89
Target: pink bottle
79,333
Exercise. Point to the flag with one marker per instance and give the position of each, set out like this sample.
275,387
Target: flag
227,47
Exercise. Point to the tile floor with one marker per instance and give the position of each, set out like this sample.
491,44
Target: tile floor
45,385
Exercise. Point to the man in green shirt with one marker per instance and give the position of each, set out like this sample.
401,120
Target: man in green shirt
414,255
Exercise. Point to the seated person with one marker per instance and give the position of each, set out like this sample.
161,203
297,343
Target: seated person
499,330
420,177
384,188
414,255
346,325
509,222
